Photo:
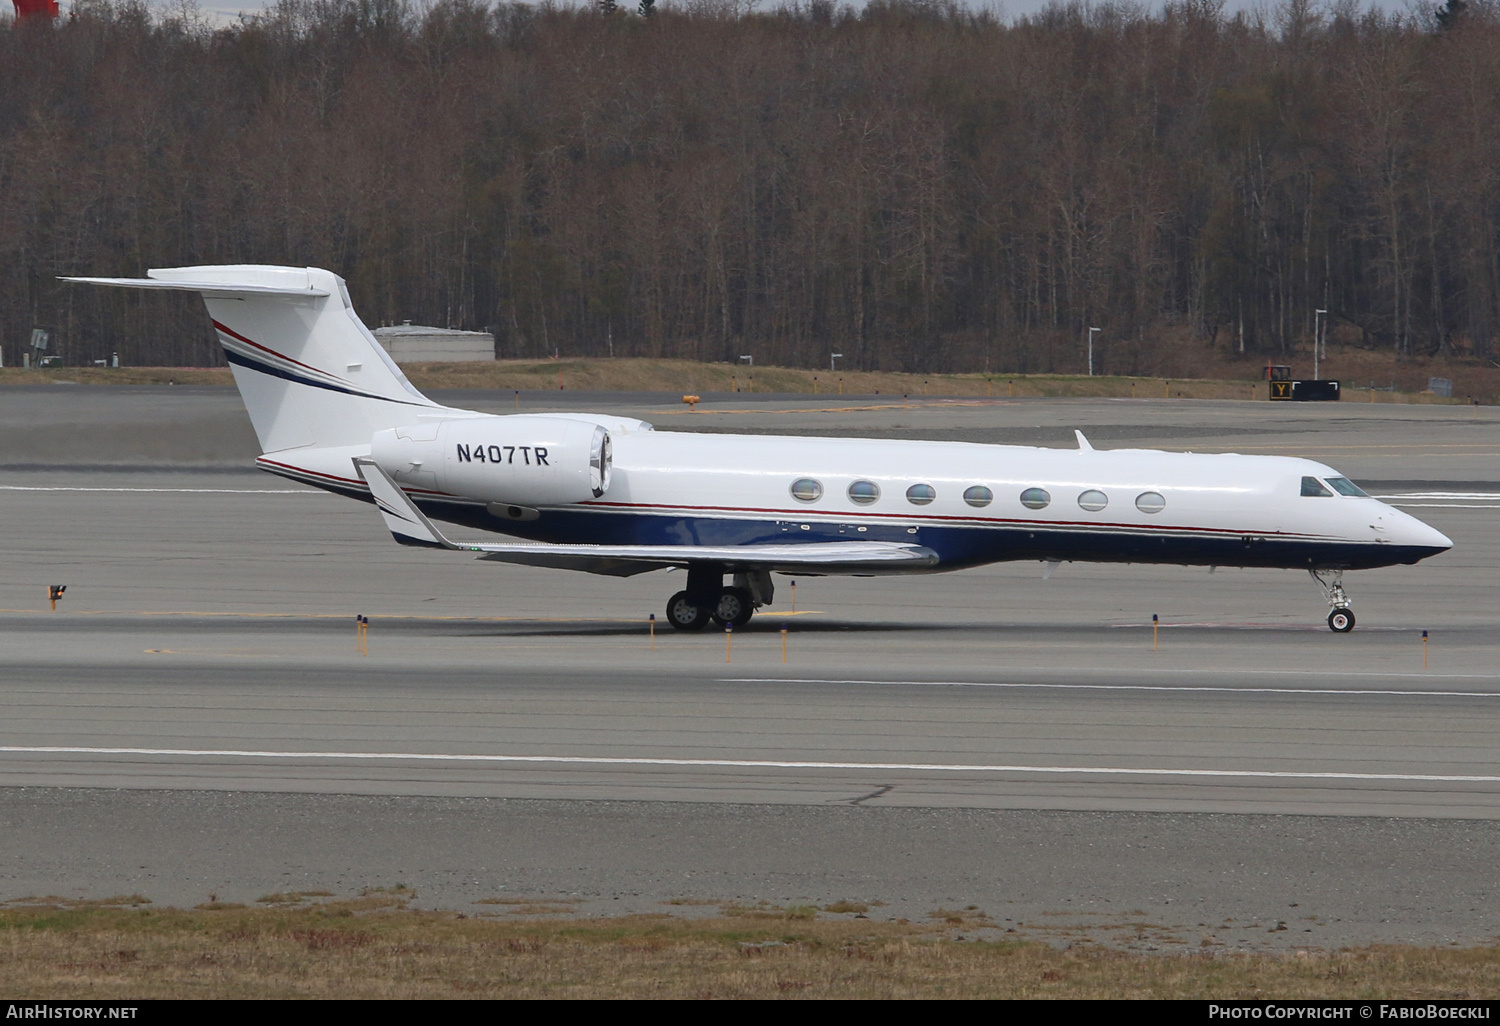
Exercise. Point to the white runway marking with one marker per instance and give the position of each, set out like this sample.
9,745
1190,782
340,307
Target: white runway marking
916,767
1477,496
1443,500
212,491
1152,687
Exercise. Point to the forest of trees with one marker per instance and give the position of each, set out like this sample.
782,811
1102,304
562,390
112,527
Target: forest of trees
914,184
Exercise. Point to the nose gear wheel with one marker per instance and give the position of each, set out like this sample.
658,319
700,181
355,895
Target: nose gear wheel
1341,618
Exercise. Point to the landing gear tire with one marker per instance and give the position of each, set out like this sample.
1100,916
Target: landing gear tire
685,614
1341,620
735,607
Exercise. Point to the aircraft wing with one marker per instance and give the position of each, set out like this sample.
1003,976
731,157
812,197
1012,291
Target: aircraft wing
410,526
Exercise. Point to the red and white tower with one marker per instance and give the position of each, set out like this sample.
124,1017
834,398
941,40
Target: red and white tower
35,9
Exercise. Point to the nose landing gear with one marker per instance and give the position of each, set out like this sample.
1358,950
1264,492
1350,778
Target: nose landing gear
1341,618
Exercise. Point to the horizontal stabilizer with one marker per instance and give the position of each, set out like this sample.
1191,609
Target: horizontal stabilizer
210,289
411,527
309,371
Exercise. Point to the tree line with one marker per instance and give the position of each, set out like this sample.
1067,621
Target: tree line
915,185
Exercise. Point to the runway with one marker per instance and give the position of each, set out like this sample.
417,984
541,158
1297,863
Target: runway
476,708
206,645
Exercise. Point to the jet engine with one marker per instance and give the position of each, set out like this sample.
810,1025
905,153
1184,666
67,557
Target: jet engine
524,460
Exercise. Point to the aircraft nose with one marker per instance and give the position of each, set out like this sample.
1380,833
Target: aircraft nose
1413,532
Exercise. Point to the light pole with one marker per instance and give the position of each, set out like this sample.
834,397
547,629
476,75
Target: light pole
1318,316
1091,349
831,365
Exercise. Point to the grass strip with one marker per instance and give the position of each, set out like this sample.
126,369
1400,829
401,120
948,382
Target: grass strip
674,378
374,947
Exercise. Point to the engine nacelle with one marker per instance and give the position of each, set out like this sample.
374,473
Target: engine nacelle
525,460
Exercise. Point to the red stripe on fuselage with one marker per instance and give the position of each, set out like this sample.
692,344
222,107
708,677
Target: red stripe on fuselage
347,480
791,514
802,514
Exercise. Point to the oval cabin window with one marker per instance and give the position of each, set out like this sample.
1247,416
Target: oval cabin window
807,490
921,494
864,492
979,495
1035,498
1150,502
1093,500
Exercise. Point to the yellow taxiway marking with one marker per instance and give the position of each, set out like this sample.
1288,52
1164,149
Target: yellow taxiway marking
338,616
1380,448
924,403
383,616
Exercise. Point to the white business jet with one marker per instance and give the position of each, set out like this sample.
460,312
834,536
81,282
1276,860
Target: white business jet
608,495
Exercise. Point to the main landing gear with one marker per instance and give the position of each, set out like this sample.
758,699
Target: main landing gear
1341,618
706,598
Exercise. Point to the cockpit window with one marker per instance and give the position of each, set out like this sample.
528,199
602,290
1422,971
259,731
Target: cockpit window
1344,486
1312,486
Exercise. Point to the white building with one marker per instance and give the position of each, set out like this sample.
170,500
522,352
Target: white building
417,343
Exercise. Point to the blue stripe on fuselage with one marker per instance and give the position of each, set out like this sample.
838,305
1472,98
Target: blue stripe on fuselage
957,546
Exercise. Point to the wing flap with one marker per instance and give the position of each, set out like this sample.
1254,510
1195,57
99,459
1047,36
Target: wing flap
812,557
410,526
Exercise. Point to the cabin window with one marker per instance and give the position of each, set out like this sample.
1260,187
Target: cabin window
1344,486
1312,486
864,492
979,495
1036,498
1093,500
920,494
807,490
1150,502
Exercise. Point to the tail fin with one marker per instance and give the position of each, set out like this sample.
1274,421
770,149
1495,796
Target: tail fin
310,372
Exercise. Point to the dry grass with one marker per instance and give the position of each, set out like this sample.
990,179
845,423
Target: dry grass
122,376
1218,379
332,950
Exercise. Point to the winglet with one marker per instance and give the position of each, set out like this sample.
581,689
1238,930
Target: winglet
407,523
1083,443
